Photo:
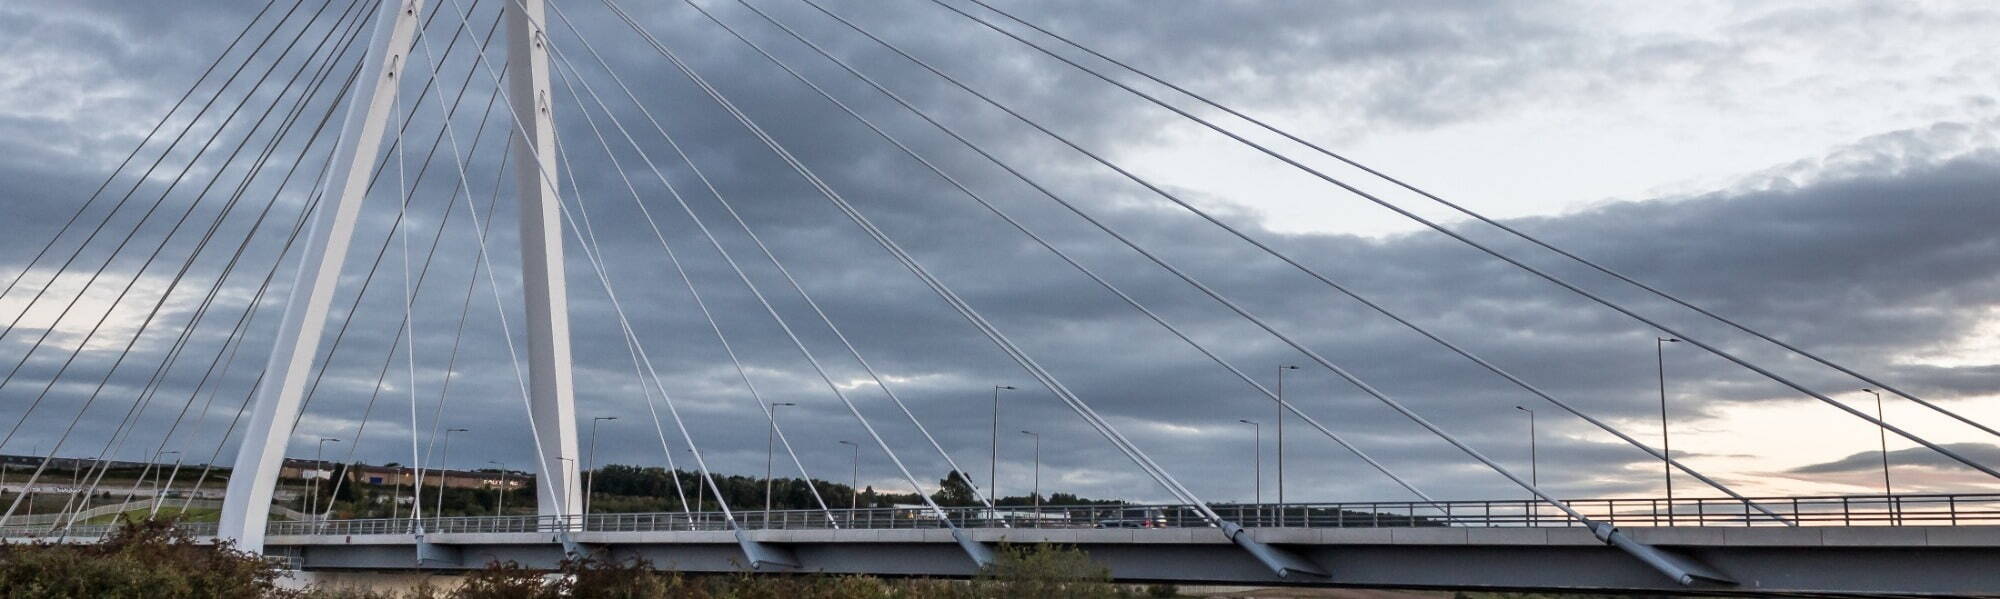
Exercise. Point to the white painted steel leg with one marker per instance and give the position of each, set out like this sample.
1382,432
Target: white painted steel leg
252,481
549,383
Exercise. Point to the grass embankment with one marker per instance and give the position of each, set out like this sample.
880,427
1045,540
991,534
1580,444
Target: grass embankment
167,512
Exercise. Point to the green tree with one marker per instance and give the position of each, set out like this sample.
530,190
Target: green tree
954,491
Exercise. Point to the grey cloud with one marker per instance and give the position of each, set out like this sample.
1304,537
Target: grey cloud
1918,457
1898,258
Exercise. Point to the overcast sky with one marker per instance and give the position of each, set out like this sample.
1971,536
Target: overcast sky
1825,172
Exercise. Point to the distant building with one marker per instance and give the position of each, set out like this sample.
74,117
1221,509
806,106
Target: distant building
297,469
404,475
17,462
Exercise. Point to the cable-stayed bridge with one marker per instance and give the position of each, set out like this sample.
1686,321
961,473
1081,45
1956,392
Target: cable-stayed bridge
271,156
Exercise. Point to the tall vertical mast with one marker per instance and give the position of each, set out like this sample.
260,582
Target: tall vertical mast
549,386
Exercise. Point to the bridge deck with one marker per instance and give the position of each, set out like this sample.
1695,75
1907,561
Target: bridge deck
1837,560
1918,545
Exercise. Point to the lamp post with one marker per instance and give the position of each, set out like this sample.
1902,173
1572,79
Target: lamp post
1038,473
27,492
993,457
1281,433
700,487
590,463
157,476
770,449
396,495
570,464
1534,466
443,469
500,504
854,481
313,500
1257,450
1666,442
157,500
1882,432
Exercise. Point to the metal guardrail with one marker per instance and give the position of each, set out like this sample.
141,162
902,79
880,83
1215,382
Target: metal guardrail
1832,510
90,531
1852,510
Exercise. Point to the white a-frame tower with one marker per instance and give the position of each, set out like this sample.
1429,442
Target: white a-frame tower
252,482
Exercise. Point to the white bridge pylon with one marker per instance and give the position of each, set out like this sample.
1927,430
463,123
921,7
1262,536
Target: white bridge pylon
551,397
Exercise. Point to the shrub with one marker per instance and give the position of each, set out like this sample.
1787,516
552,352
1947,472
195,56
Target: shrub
631,579
1044,570
506,580
139,560
152,560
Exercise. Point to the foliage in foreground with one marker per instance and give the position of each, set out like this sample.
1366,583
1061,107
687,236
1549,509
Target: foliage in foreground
1024,572
152,560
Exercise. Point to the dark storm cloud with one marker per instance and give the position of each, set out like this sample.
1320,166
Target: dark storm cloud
1870,266
1871,462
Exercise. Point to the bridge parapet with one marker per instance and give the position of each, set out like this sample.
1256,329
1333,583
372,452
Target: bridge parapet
1817,511
1645,517
1931,544
1940,560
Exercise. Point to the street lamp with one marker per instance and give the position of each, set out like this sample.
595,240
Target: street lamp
1534,463
1666,442
1534,468
854,482
1281,431
157,476
314,494
590,463
1257,432
770,449
170,483
993,457
500,505
1038,473
1883,432
444,471
700,487
27,491
568,466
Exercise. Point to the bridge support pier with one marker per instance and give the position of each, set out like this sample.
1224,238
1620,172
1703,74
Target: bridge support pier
765,557
1681,569
433,555
1287,565
981,554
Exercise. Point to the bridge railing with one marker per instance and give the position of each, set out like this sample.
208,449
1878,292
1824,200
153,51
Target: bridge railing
1850,510
1833,510
90,531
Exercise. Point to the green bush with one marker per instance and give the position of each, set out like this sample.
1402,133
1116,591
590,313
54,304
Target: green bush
1023,572
149,560
1029,571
